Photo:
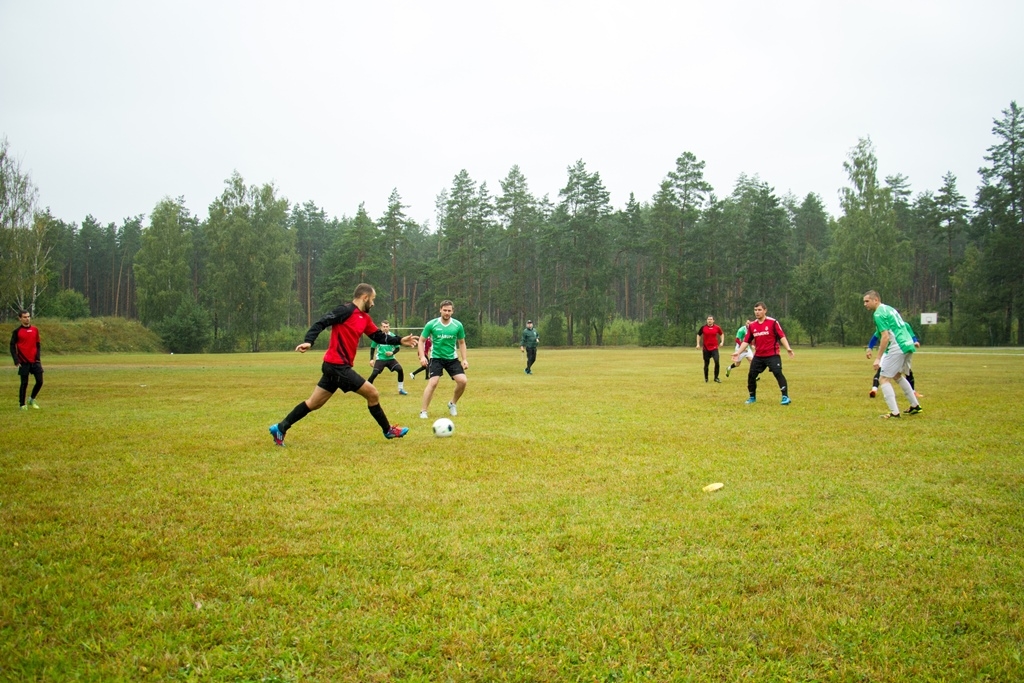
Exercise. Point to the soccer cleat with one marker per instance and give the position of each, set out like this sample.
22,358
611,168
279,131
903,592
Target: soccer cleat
888,416
24,407
403,392
452,410
914,410
728,370
32,402
277,434
396,432
750,400
874,390
423,415
786,401
718,380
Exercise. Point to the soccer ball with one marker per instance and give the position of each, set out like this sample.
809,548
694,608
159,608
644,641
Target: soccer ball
443,427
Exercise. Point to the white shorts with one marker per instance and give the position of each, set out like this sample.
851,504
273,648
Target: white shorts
895,362
749,353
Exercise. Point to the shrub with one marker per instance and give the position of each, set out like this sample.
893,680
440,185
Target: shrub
66,304
795,332
622,332
287,338
967,328
652,332
229,343
553,330
187,330
499,335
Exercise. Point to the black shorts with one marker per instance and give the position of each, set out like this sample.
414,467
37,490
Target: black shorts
34,369
438,366
391,364
339,377
761,363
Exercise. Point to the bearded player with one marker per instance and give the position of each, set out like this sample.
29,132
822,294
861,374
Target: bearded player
348,323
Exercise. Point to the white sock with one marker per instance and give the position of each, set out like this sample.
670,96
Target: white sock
889,394
908,390
400,387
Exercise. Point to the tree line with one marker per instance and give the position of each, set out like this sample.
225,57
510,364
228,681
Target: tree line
256,262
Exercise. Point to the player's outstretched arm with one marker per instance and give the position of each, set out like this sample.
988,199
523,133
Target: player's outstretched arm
410,340
303,347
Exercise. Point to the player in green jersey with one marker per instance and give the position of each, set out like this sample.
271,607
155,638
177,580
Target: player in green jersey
447,354
749,354
383,356
895,349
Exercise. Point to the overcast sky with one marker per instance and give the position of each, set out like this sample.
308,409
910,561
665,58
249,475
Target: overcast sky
111,106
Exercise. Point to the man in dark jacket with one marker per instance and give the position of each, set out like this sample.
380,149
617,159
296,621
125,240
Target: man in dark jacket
528,344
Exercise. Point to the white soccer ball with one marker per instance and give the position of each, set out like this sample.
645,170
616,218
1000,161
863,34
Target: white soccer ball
443,427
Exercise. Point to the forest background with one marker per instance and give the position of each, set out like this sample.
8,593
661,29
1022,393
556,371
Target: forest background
256,270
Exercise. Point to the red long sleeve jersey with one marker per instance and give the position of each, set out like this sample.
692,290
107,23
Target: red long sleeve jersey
25,344
348,323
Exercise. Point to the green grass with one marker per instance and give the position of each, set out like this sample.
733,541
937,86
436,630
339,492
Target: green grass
149,529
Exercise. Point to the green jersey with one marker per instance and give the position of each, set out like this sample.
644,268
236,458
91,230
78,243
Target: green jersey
889,319
444,337
741,333
530,338
384,351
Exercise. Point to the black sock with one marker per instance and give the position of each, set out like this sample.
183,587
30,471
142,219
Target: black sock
380,417
298,412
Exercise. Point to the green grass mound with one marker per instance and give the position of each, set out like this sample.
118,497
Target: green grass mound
107,335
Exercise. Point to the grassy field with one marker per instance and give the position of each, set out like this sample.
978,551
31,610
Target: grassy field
149,529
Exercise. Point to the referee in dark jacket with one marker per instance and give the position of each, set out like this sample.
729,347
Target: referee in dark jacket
529,344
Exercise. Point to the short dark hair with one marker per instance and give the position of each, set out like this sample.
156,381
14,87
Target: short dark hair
362,289
447,302
384,322
873,294
760,304
23,312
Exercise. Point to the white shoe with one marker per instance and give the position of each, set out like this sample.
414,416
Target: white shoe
452,410
423,415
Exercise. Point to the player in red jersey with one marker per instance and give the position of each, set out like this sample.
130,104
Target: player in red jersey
709,338
25,350
348,323
765,335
